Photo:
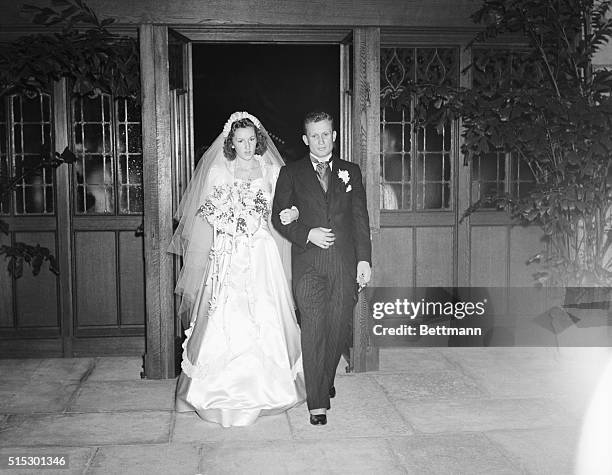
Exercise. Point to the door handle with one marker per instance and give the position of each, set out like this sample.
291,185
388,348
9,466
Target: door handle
139,232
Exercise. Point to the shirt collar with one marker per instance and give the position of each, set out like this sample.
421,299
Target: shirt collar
328,159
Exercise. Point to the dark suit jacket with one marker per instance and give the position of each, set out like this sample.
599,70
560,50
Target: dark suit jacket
345,212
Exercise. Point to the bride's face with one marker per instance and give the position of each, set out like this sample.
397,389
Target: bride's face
245,142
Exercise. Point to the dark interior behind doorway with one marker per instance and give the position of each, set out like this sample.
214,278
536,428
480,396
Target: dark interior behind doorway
276,83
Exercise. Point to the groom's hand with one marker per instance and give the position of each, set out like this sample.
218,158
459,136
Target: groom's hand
322,237
364,273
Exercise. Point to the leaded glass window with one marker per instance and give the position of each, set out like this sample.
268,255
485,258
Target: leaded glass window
129,145
521,180
4,164
28,122
500,68
488,175
416,161
497,172
107,143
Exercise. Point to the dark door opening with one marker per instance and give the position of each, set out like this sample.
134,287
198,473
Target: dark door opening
278,84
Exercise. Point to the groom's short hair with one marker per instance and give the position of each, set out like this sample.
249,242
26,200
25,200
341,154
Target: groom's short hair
317,116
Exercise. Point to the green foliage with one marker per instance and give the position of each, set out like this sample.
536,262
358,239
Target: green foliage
553,112
93,58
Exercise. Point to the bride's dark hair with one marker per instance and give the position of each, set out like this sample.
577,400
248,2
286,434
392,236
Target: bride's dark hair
230,152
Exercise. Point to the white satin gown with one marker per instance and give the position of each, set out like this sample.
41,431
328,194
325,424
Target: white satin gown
244,360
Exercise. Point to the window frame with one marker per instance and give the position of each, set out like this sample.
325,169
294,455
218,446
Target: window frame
48,183
115,153
452,153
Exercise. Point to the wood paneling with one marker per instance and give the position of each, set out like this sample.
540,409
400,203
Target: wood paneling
275,35
96,278
131,275
37,295
395,268
52,347
64,231
392,36
6,289
414,13
29,223
101,223
491,218
404,219
524,243
434,257
31,348
365,149
109,346
157,179
462,189
488,259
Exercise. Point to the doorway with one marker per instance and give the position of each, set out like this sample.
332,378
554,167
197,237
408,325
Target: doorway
179,71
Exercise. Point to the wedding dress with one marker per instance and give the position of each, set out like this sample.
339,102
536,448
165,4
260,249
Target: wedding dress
242,356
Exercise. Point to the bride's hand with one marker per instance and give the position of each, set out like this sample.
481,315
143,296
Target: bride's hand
289,215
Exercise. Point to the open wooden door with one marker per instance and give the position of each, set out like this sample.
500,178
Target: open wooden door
346,97
181,132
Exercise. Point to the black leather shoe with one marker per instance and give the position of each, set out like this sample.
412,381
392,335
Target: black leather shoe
318,419
332,391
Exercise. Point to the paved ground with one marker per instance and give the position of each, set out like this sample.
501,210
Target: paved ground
427,411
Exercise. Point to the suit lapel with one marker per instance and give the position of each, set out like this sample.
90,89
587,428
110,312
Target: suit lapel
334,181
311,180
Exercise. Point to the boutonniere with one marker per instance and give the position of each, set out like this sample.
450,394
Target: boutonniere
344,176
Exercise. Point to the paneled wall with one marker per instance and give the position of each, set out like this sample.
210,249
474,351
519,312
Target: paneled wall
36,297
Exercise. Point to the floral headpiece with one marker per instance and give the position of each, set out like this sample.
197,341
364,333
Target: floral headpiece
239,116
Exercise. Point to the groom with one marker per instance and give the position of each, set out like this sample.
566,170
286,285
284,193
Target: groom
331,253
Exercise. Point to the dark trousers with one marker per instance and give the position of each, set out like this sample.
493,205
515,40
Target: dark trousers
325,295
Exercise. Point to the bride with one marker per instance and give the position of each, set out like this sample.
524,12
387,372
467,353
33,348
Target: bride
242,356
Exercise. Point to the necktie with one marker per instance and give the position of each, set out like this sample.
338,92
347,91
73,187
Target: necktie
323,174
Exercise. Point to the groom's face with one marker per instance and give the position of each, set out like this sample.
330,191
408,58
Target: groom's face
320,138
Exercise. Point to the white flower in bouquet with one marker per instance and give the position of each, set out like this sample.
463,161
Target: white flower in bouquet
235,208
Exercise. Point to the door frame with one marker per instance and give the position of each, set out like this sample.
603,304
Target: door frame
159,355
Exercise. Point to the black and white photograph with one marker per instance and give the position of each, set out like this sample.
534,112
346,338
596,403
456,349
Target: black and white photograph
306,236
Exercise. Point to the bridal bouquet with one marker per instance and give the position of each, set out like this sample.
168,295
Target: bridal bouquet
235,208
